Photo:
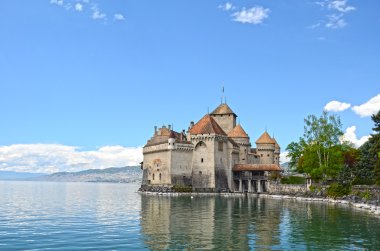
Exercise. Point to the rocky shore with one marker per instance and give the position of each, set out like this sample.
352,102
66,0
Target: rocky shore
354,201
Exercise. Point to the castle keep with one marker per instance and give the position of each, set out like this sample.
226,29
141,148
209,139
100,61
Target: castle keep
213,155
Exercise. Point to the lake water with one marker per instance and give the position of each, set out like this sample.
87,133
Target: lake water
94,216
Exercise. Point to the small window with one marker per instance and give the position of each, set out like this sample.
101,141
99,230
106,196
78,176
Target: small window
262,155
201,160
267,155
160,176
200,172
153,176
220,146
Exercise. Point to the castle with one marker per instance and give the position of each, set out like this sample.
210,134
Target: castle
213,155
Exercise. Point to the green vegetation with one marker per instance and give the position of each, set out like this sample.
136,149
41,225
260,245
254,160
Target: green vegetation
336,190
182,189
321,154
293,180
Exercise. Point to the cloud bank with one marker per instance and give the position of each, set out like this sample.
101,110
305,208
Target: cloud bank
50,158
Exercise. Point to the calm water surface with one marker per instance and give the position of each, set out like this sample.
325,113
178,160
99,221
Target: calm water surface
89,216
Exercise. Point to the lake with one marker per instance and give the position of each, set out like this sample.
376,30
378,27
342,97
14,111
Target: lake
101,216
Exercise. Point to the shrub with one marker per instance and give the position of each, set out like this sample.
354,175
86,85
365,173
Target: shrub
293,180
336,190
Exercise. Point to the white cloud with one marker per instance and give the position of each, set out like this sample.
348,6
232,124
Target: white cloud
336,106
97,14
350,136
49,158
284,158
337,10
227,6
78,7
340,5
57,2
118,17
370,107
254,15
335,21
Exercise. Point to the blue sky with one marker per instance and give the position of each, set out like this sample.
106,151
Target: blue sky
92,74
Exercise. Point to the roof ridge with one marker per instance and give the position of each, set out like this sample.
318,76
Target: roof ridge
207,125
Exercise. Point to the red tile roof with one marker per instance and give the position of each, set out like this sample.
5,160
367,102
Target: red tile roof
207,125
256,167
265,139
223,109
275,143
238,132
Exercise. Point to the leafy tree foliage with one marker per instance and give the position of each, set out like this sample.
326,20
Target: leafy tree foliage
319,152
374,150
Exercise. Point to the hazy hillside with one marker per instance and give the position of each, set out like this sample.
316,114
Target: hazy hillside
113,174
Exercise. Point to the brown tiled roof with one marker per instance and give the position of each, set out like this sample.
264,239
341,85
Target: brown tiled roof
238,132
275,143
256,167
223,109
265,139
207,125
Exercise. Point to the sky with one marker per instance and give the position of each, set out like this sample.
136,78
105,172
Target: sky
84,82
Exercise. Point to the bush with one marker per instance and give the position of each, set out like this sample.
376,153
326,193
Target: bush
182,189
336,190
293,180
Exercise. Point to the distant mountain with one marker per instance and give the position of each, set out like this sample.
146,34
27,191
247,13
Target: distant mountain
129,174
9,175
285,165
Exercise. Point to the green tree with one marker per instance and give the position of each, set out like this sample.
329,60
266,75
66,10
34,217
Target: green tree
318,153
375,147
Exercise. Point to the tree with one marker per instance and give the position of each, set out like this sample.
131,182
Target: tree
374,151
318,153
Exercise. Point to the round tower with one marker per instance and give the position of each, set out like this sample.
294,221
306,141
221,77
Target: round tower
242,139
266,149
171,141
277,151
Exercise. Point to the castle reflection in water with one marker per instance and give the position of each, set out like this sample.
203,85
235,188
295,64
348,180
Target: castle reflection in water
209,222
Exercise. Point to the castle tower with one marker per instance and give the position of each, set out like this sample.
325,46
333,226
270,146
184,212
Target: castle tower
266,148
277,151
242,139
210,145
171,141
225,117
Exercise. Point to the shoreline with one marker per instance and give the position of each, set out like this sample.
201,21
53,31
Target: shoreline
373,209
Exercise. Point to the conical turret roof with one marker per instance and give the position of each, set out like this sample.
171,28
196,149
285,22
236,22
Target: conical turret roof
275,143
265,139
238,132
207,125
223,109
